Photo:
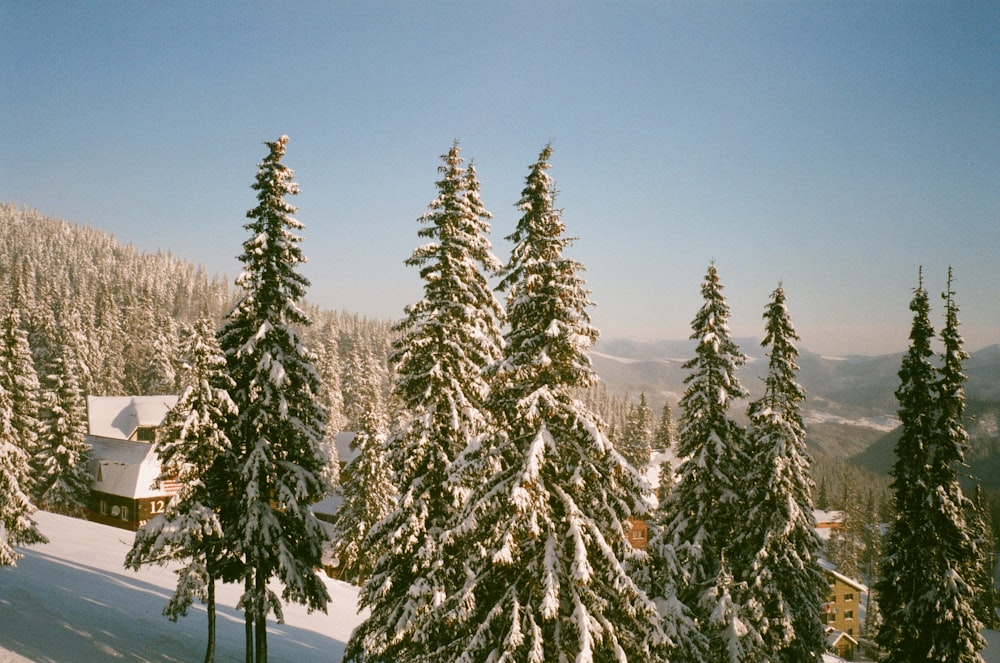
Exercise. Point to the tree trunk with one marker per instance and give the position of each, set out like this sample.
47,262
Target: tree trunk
261,624
248,613
210,609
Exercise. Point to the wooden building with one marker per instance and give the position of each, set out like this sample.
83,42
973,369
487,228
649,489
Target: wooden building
124,461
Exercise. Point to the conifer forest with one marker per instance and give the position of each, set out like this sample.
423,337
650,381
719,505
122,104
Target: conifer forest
500,501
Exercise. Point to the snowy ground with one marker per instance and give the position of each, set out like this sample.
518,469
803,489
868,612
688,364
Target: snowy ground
71,600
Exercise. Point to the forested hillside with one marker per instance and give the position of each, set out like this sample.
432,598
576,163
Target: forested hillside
120,312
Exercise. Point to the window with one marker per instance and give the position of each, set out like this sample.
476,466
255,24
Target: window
124,513
849,615
104,508
638,533
145,434
849,596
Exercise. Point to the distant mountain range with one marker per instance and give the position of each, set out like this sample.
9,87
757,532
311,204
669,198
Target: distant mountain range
850,407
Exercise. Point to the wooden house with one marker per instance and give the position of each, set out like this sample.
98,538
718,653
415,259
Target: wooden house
124,461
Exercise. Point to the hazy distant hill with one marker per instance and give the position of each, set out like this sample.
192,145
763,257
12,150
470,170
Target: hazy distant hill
850,402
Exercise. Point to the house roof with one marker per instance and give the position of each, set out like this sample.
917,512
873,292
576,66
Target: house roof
833,636
826,518
829,569
120,416
123,467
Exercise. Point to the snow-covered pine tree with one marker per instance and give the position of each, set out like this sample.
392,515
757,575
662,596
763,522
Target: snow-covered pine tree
704,509
663,436
779,583
369,492
16,525
195,451
278,435
19,379
981,573
60,464
901,575
637,438
944,625
444,342
847,545
544,535
923,598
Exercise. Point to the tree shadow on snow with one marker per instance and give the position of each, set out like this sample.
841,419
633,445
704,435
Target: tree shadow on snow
53,610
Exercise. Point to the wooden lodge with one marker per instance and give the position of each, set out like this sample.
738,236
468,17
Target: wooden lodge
124,461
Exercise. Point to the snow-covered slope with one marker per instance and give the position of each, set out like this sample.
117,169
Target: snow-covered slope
72,600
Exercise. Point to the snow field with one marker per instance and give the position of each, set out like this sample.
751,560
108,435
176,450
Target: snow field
72,600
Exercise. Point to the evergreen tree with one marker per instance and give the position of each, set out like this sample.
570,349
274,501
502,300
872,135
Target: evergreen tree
663,436
901,574
62,475
705,506
19,379
779,578
277,437
846,547
944,617
444,342
194,451
369,495
16,524
544,533
984,560
637,438
925,602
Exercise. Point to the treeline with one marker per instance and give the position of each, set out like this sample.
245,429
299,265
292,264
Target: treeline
121,313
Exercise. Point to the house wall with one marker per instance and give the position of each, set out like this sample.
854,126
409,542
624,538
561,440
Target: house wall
842,609
638,535
124,512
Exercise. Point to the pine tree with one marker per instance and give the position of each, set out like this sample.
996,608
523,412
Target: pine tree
901,574
195,451
444,342
278,435
777,548
637,438
60,464
984,561
663,436
369,495
19,379
16,525
925,602
846,547
705,506
543,535
946,625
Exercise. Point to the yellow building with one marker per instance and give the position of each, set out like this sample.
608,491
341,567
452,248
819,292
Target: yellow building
842,609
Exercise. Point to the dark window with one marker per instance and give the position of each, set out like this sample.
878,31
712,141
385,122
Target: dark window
145,434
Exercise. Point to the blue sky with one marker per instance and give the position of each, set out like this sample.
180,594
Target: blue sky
833,146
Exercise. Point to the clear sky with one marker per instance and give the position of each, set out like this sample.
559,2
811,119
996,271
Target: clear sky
833,146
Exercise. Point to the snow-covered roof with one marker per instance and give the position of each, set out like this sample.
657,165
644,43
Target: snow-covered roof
120,416
124,467
345,452
822,516
831,569
833,636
